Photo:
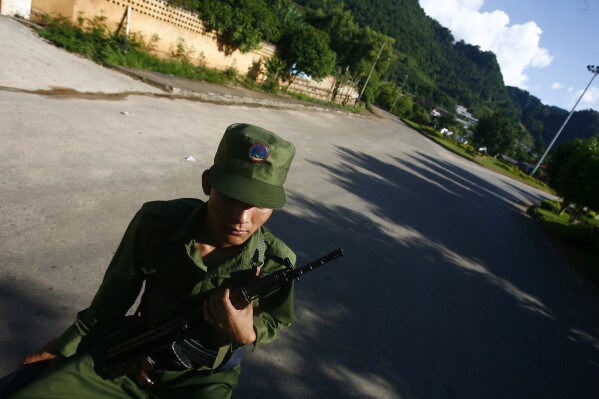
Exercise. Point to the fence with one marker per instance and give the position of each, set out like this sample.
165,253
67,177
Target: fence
324,90
20,8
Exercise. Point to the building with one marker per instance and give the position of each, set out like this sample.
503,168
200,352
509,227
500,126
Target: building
467,118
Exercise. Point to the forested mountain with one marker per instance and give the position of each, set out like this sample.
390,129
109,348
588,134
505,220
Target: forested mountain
440,69
543,121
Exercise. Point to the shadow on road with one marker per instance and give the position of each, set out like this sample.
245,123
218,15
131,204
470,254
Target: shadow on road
29,322
447,290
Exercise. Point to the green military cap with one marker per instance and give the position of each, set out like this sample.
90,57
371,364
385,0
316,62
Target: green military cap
251,165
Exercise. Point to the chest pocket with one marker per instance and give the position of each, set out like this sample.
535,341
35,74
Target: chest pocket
187,285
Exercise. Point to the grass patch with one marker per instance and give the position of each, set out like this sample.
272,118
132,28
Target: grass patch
485,161
92,39
580,239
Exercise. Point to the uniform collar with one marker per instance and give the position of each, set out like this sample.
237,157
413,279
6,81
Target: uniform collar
185,231
189,223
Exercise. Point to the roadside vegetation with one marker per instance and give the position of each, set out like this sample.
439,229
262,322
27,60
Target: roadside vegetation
469,152
92,39
577,231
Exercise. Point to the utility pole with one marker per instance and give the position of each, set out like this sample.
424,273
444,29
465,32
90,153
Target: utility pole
398,94
404,82
594,69
369,74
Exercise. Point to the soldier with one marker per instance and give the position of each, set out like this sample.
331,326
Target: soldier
185,252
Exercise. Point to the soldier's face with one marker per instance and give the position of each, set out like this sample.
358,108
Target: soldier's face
234,221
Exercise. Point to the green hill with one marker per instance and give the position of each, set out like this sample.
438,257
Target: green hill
447,73
543,121
443,71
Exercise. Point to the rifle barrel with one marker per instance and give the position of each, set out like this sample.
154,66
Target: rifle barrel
299,271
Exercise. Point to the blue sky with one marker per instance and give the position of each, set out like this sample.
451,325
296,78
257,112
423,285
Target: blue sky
542,46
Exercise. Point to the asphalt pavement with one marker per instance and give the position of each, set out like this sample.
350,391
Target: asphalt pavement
447,288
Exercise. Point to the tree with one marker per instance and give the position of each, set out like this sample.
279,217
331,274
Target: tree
574,172
390,97
243,25
275,68
374,50
307,50
344,33
404,106
495,132
386,94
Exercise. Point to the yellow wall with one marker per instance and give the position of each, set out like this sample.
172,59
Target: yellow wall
53,8
172,26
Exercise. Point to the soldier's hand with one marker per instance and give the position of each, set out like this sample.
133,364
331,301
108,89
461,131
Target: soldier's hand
47,353
237,325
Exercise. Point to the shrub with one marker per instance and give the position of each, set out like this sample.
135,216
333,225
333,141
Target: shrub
551,206
230,73
182,52
270,86
421,116
429,130
255,71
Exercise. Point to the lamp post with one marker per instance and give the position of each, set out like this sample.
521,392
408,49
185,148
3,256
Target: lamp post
369,74
594,69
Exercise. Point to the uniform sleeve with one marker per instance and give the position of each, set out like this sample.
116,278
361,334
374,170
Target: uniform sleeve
274,311
118,291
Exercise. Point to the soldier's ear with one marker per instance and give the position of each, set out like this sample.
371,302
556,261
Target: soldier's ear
206,187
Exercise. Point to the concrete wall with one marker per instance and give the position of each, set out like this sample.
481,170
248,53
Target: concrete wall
160,24
323,90
165,28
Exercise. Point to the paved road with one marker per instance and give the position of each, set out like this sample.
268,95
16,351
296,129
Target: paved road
447,289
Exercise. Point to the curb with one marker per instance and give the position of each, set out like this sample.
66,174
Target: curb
143,79
231,99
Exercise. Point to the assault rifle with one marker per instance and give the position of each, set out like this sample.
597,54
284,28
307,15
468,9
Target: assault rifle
173,346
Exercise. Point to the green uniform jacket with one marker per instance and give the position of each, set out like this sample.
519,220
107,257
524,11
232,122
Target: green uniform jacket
158,249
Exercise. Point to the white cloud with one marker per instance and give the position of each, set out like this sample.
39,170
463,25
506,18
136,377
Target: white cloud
557,86
516,46
590,98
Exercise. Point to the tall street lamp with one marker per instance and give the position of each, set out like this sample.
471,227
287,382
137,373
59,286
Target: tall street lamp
594,69
370,73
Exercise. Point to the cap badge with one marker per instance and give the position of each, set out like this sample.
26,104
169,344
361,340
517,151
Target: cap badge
258,153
